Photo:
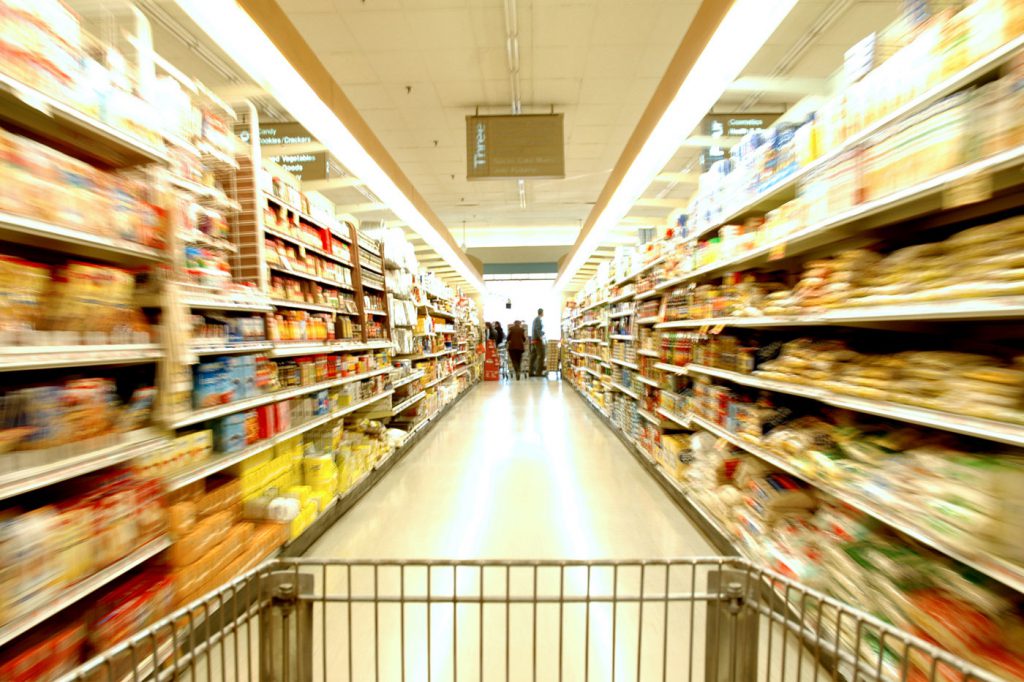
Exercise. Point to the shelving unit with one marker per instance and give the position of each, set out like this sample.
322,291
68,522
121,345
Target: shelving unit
83,588
238,284
733,283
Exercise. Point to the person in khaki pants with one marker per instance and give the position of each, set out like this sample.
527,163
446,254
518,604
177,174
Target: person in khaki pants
537,345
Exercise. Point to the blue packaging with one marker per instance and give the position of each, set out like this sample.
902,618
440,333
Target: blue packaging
208,384
229,433
241,376
250,376
323,403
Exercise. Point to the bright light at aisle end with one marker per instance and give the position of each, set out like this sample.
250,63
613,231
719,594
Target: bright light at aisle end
225,22
745,29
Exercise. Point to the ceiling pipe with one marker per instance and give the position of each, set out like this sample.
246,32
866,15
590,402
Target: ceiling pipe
512,60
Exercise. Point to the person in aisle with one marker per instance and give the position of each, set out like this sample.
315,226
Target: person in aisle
537,345
499,334
488,331
516,346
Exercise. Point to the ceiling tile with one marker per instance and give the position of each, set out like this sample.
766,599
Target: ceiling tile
673,20
584,151
461,94
293,7
622,24
318,28
387,119
399,66
589,135
557,91
567,25
612,62
349,67
604,90
554,62
418,95
368,96
448,27
433,4
596,114
488,25
654,59
348,7
379,30
497,94
451,64
493,62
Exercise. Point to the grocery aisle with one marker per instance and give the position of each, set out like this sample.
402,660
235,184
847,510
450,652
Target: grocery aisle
516,471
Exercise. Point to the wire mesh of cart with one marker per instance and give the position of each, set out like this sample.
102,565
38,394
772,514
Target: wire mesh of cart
299,620
505,369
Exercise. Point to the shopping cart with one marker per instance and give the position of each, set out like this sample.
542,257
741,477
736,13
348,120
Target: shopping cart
710,619
506,362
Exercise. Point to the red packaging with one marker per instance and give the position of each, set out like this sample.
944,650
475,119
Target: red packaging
49,659
283,416
129,608
267,421
252,427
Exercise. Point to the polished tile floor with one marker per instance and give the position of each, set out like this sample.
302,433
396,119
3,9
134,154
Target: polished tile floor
516,472
520,470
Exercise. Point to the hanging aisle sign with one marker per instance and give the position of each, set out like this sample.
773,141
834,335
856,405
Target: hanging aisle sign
515,146
304,166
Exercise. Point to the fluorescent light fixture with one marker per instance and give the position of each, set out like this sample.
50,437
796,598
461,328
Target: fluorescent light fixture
743,31
241,38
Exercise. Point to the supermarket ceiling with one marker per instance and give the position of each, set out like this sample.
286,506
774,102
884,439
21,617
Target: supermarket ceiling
416,68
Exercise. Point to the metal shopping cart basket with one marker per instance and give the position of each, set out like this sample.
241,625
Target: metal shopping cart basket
506,362
298,620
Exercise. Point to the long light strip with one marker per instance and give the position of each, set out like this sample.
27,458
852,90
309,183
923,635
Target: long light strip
743,31
225,22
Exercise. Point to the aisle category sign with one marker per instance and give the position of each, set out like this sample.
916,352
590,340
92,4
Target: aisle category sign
304,165
515,146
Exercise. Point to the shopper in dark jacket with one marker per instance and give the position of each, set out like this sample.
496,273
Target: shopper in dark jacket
537,345
499,333
516,345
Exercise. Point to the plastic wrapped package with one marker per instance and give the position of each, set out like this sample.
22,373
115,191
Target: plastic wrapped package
48,659
181,519
129,608
206,534
224,497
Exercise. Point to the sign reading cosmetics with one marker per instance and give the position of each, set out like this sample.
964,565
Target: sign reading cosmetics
515,146
304,166
730,125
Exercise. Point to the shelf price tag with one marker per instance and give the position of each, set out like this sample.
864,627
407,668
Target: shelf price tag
703,330
968,190
778,252
717,329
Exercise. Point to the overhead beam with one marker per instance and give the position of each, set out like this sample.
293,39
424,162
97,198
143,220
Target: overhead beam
678,178
370,207
292,149
655,202
330,183
234,94
778,85
702,141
